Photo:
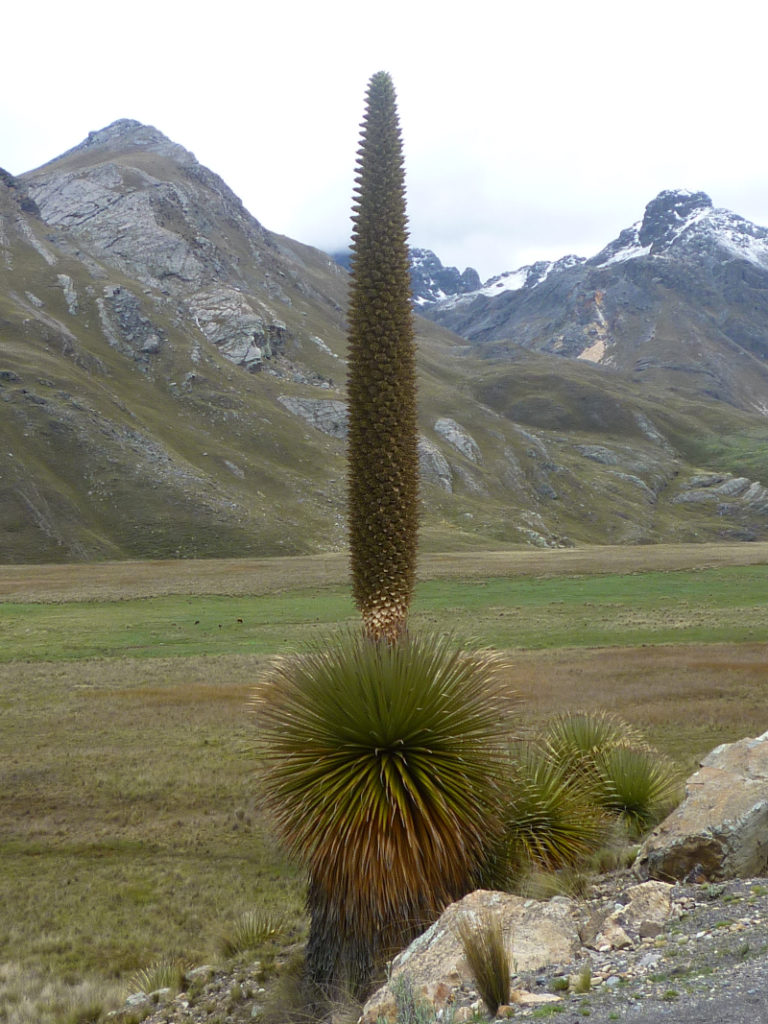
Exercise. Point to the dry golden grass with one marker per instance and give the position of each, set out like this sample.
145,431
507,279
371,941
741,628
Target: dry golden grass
110,581
686,698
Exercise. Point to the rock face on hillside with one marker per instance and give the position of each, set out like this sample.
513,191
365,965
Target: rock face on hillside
183,233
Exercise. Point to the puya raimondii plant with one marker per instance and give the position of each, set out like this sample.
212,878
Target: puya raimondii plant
383,752
382,769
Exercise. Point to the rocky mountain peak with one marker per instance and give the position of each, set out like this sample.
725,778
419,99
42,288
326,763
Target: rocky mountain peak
668,213
431,281
126,135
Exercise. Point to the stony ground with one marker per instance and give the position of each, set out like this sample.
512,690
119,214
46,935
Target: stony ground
708,966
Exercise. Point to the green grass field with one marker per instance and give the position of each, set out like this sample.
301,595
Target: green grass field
130,816
696,606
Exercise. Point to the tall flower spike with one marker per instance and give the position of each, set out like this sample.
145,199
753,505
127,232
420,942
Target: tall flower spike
382,453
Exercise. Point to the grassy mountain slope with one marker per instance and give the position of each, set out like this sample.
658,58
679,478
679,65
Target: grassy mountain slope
172,380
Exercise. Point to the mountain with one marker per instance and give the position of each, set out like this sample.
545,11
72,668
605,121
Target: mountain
681,296
172,385
430,280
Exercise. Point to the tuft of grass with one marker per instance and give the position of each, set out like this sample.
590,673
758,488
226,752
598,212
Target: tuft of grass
482,941
86,1013
29,996
166,972
583,981
250,933
410,1008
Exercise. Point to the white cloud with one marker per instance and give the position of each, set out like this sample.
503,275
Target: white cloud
529,130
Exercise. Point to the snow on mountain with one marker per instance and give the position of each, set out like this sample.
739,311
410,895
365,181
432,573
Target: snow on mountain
528,276
676,222
682,222
682,294
432,282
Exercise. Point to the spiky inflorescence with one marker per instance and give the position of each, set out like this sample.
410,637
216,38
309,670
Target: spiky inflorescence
382,452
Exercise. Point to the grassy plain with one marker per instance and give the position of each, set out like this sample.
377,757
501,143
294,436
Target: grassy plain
130,820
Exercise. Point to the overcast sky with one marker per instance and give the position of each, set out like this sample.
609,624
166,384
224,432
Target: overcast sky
530,130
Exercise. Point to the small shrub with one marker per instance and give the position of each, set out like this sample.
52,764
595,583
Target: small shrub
410,1008
486,953
574,739
631,780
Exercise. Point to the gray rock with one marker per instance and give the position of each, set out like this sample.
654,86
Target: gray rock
539,933
455,435
125,326
598,453
229,321
721,828
433,465
70,293
324,414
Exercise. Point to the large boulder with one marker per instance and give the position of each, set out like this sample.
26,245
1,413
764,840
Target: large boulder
721,828
537,934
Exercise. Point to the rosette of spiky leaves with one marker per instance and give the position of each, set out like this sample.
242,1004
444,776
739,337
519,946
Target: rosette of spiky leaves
633,781
574,739
553,819
641,786
384,767
381,381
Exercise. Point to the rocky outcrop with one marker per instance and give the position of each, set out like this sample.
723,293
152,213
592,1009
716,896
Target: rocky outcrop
433,465
667,214
537,934
729,495
323,414
244,334
721,828
125,326
457,436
